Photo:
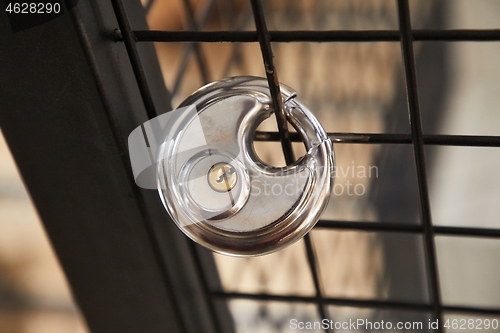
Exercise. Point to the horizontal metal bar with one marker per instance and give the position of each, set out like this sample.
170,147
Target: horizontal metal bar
369,226
314,36
407,228
375,138
457,35
378,304
469,232
251,36
471,310
359,303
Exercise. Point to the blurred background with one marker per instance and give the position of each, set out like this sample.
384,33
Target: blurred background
351,87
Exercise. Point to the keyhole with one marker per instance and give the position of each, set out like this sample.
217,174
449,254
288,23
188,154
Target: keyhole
222,177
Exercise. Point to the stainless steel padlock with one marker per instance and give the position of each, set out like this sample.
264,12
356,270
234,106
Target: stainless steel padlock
219,192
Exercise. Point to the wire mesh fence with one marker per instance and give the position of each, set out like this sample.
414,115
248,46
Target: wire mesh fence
237,32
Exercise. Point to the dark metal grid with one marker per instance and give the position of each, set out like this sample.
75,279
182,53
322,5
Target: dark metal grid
418,147
146,95
459,35
406,37
359,303
379,138
286,143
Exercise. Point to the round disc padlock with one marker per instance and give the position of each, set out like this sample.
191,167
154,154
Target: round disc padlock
215,187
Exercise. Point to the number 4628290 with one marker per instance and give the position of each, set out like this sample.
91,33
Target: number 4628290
471,324
33,8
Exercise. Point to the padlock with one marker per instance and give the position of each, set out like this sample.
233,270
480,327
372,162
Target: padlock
216,188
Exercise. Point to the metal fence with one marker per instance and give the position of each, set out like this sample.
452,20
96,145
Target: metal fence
405,36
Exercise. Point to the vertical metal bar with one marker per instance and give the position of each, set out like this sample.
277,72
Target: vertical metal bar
130,41
147,99
272,79
286,144
418,146
311,260
146,95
